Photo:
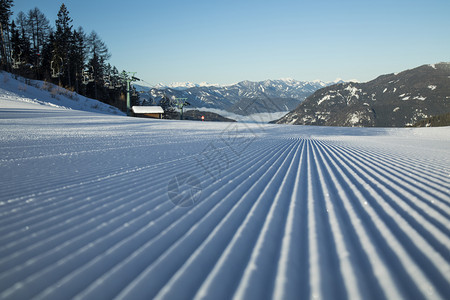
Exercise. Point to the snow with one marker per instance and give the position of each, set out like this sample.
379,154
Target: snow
320,82
88,208
421,98
324,98
353,91
340,80
185,85
432,87
355,118
406,97
147,109
374,97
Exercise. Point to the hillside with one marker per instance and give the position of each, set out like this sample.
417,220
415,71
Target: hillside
47,94
435,121
393,100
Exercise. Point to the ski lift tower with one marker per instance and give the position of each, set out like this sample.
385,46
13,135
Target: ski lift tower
180,103
129,77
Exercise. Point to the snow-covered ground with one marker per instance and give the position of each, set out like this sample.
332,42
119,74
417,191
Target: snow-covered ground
97,206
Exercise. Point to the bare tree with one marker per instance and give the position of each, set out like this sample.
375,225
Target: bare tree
98,55
38,29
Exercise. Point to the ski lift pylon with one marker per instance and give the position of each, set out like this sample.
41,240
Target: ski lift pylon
107,81
88,75
16,63
57,67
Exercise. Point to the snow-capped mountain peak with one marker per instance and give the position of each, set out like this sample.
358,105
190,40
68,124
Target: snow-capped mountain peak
183,85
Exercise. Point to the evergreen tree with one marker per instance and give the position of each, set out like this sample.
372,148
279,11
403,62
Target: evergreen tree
20,40
47,57
62,53
17,55
63,38
169,108
77,56
5,13
115,77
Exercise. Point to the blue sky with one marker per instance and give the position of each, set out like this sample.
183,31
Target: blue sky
228,41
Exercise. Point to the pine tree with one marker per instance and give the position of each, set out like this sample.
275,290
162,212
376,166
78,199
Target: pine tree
115,77
77,56
63,38
20,41
17,55
47,57
63,53
168,106
5,13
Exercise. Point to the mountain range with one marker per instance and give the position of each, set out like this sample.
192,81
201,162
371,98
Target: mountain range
392,100
243,98
183,85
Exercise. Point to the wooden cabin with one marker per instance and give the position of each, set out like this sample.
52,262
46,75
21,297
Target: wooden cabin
155,112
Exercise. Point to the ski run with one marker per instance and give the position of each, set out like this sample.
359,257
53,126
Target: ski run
98,206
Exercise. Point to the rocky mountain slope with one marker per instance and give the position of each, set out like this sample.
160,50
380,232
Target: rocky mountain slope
393,100
435,121
243,98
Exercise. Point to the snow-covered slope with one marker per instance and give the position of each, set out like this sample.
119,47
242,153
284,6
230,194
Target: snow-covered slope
96,207
17,88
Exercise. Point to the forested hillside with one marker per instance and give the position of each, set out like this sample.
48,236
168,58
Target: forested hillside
60,53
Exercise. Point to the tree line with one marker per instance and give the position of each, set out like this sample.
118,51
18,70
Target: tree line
69,57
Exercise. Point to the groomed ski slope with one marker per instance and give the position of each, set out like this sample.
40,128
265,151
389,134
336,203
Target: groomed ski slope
96,207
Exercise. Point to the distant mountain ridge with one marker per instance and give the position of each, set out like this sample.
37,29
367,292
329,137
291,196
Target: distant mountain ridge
392,100
183,85
244,98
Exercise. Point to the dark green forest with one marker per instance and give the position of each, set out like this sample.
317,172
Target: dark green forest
58,53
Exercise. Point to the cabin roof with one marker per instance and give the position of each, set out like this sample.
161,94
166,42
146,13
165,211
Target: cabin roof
147,110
